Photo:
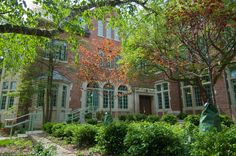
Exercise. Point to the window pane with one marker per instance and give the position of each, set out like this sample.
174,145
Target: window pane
11,102
158,87
166,99
234,88
108,31
54,95
208,92
197,96
3,102
116,34
165,86
5,85
100,28
188,97
233,74
40,99
13,85
159,99
64,94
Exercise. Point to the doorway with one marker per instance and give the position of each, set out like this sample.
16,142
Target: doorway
145,104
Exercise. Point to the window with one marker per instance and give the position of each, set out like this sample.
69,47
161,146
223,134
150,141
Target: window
10,102
105,63
64,94
232,83
122,97
116,34
13,85
191,94
100,28
54,95
108,31
40,99
108,96
163,95
3,101
92,96
4,85
58,50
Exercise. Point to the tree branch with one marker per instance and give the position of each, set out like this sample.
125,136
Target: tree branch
9,28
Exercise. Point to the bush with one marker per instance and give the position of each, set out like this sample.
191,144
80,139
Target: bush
152,139
182,116
193,119
92,121
58,130
215,143
122,117
130,117
153,118
140,117
112,138
69,132
47,127
226,120
169,118
84,136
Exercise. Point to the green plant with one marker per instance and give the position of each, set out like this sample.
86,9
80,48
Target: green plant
100,115
152,139
169,118
140,117
47,127
84,136
39,150
215,143
182,116
226,120
7,142
130,117
112,137
69,132
122,117
58,129
153,118
92,121
193,119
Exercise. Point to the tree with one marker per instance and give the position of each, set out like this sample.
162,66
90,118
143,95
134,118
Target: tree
186,40
99,62
22,29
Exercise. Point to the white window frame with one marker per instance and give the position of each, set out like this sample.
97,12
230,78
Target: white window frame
116,34
162,92
232,78
100,28
108,31
193,97
123,99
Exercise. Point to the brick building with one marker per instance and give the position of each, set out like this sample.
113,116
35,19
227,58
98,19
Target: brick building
150,97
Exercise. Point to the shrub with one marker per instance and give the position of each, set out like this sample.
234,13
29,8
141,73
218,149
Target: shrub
182,116
69,131
122,117
47,127
84,136
130,117
169,118
153,118
226,120
193,119
215,143
58,130
152,139
140,117
92,121
112,138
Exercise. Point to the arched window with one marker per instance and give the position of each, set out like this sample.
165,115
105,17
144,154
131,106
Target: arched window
108,96
122,97
92,96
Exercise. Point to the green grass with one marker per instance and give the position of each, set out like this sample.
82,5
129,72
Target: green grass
4,143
